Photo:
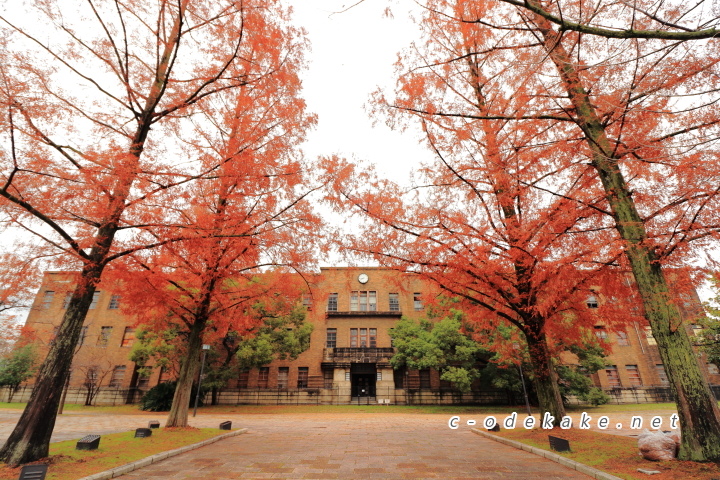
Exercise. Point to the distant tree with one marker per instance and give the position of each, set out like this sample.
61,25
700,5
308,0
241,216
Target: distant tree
440,345
17,367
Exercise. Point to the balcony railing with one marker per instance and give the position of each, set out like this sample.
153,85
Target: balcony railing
358,355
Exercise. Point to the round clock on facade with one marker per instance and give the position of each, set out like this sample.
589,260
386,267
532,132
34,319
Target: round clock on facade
363,278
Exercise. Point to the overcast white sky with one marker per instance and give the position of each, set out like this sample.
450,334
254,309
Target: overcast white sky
352,53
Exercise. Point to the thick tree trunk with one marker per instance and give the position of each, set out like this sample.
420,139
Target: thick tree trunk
697,407
178,416
544,376
30,440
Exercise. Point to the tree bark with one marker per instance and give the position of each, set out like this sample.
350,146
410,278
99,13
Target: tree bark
178,416
544,377
697,408
30,439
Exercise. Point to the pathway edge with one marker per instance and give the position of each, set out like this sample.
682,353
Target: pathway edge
580,467
144,462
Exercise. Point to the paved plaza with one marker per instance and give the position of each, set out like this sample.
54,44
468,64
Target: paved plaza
326,446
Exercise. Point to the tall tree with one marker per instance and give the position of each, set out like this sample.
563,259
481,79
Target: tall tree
251,214
645,112
97,99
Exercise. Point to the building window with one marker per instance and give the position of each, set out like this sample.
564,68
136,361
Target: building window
114,302
417,301
332,305
128,337
363,301
649,336
302,377
47,299
66,301
117,376
263,377
243,379
591,302
601,333
697,329
613,377
633,375
660,369
96,297
425,379
331,338
282,379
163,376
307,301
363,337
712,369
394,300
83,334
622,339
104,337
328,378
143,381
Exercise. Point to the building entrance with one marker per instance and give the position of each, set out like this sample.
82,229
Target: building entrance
362,378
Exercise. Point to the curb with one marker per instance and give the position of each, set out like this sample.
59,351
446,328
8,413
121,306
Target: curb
144,462
582,468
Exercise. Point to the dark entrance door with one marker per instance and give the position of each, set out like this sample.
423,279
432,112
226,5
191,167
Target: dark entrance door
362,377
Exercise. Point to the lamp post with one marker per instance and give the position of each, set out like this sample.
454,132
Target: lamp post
522,380
205,348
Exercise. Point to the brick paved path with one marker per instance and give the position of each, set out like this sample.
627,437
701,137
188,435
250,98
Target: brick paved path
353,446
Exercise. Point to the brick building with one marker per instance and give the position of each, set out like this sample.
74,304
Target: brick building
352,310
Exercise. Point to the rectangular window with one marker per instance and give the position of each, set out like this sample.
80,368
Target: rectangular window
243,379
117,376
328,378
282,379
363,337
712,369
104,337
114,302
96,297
613,377
66,301
83,334
47,299
331,338
353,337
363,301
143,382
425,379
601,333
302,377
660,369
394,301
372,337
128,337
592,302
633,375
622,339
307,301
263,377
649,336
332,305
417,301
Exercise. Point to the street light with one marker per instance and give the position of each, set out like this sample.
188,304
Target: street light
205,348
522,380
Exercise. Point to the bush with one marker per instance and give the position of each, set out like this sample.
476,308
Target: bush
159,398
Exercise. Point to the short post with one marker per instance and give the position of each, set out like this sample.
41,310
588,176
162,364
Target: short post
559,444
153,424
205,348
143,432
226,425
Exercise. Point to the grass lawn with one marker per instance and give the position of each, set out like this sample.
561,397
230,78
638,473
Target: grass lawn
115,450
613,454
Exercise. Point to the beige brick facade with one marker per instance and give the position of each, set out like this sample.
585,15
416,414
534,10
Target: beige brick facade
352,310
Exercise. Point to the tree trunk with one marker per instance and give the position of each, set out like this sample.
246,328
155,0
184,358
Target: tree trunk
545,379
697,408
30,439
178,416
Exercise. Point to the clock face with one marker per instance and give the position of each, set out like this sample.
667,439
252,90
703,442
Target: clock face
363,278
